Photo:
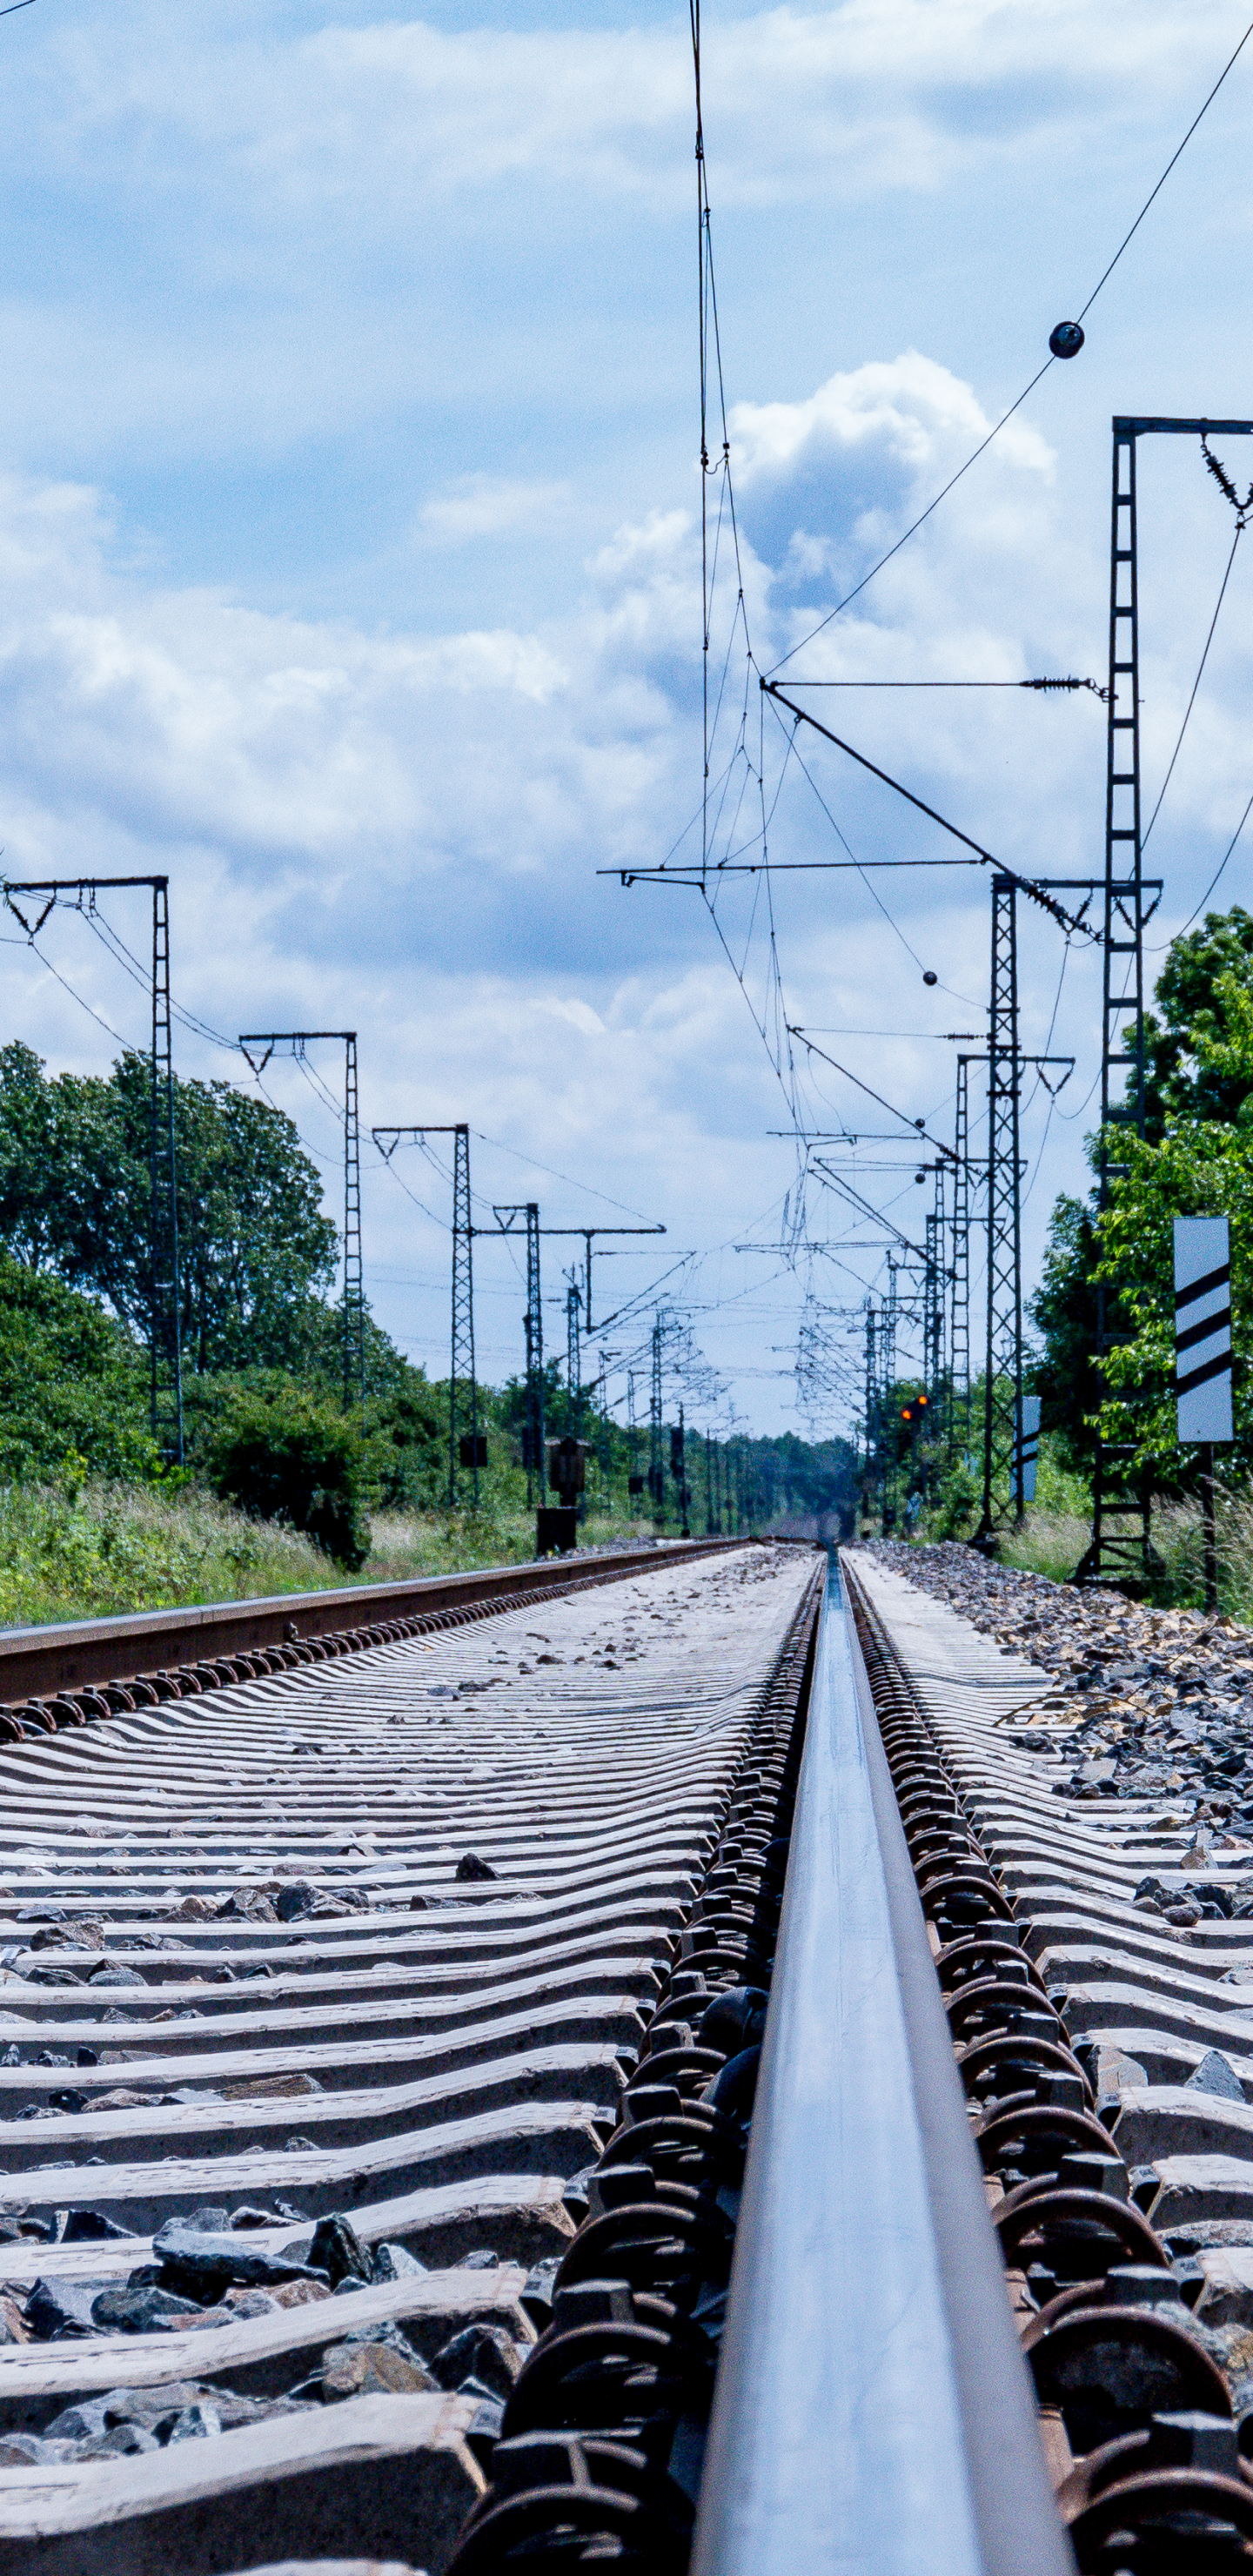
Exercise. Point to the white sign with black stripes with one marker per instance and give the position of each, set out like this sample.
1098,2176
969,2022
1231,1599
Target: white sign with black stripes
1203,1328
1030,1445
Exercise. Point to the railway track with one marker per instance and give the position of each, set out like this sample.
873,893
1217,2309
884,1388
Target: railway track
324,1981
1104,2051
686,2074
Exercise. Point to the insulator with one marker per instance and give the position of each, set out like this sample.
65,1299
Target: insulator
1067,340
929,975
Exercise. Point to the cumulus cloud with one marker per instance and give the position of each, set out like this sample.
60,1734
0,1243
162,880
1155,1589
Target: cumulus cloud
402,832
879,94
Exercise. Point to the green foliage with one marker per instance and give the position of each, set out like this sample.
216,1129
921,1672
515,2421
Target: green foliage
282,1455
75,1198
72,1384
406,1428
1196,1170
1205,974
1066,1377
1195,1160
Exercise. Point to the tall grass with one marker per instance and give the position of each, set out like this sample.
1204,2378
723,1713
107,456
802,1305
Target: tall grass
1052,1541
91,1551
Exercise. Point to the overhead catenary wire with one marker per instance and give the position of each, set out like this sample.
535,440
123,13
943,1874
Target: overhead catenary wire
1195,916
1195,686
1016,405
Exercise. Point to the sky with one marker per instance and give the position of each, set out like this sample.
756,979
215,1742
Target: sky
350,574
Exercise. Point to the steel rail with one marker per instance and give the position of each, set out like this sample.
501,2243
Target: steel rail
873,2411
484,1902
37,1661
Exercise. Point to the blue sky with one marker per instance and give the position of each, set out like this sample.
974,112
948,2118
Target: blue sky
348,503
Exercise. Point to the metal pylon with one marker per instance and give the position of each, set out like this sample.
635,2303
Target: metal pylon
534,1322
165,1337
1002,1394
872,1409
887,1382
164,1293
463,1393
933,1300
300,1040
1121,1546
959,1332
354,1281
574,1390
656,1471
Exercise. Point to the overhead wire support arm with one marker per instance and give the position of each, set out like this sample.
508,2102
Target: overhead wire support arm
986,858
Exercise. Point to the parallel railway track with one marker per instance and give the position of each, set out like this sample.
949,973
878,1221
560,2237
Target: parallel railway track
321,1994
654,2076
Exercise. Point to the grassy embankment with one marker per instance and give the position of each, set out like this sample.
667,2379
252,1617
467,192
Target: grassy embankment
67,1554
1058,1527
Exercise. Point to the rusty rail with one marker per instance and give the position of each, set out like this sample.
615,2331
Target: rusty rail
185,1648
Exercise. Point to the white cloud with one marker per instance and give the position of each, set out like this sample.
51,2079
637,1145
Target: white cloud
485,505
875,94
910,410
402,832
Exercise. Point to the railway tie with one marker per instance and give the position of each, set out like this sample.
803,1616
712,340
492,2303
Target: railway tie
325,1998
1105,2052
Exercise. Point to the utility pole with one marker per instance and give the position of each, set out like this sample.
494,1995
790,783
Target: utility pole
872,1409
574,1389
709,1487
959,1419
933,1296
165,1358
507,1219
1003,1348
678,1469
299,1041
1121,1544
1002,1394
656,1472
466,1443
887,1373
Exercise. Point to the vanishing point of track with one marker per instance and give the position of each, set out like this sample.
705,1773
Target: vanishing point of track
630,2062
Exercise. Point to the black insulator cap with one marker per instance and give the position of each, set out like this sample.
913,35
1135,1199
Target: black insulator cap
1067,340
929,975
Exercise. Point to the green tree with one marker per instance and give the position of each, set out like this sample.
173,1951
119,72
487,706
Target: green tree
1202,1166
1198,1075
1184,1077
73,1384
76,1196
283,1455
1067,1380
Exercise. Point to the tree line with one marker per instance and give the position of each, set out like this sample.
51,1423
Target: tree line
1195,1159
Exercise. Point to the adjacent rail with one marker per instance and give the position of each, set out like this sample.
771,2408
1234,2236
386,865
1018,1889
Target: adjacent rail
36,1663
323,2005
